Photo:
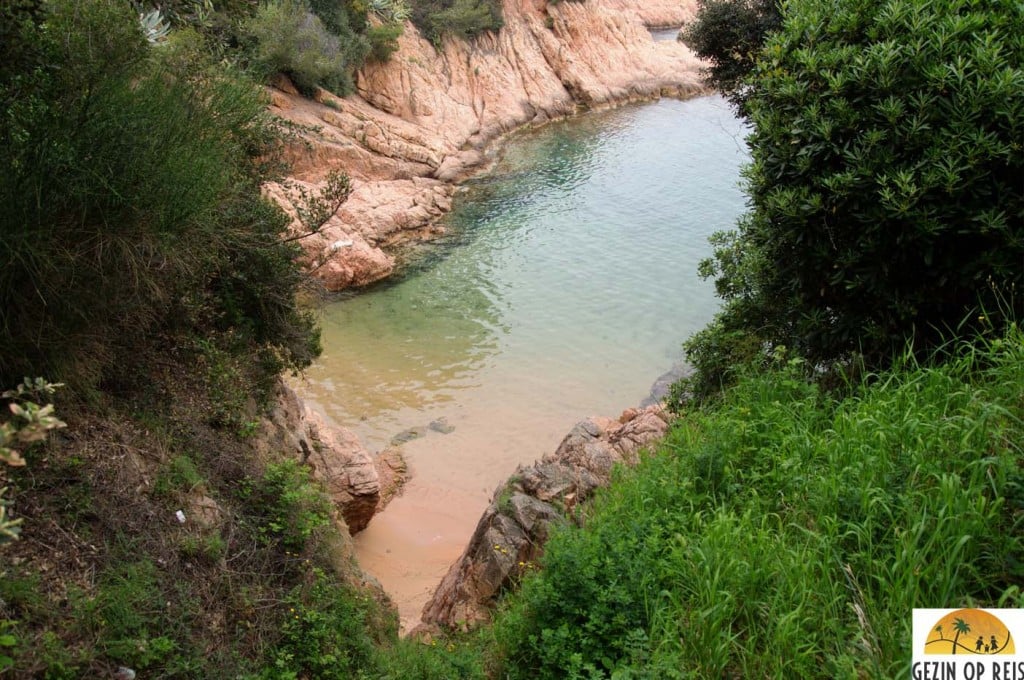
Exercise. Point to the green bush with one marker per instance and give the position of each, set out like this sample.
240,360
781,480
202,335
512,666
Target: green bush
885,187
291,508
140,217
292,39
324,635
785,532
729,35
460,18
383,41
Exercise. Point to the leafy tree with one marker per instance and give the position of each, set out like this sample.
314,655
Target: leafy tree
729,34
885,185
313,49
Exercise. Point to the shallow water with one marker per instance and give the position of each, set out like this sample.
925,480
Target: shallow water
564,288
664,34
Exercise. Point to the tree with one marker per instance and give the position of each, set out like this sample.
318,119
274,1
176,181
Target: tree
960,626
885,184
729,34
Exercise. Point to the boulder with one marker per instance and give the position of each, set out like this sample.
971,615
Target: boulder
511,533
346,469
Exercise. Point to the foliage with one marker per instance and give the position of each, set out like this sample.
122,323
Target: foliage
154,26
885,184
784,532
31,421
141,216
325,635
30,424
391,11
729,34
291,508
291,39
383,41
460,18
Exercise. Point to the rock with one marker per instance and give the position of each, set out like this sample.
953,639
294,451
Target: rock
423,119
661,386
441,426
347,470
511,533
408,435
393,473
204,510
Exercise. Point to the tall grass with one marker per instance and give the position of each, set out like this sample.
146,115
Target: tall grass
789,533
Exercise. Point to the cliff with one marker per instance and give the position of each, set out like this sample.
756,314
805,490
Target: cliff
424,119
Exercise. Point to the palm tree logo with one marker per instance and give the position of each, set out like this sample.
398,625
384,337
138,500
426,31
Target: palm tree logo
960,626
975,631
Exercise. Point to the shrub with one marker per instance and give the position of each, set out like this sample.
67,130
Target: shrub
324,635
884,183
291,507
383,41
729,34
460,18
140,217
291,39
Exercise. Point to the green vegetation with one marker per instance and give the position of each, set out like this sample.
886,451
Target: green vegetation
460,18
729,34
785,529
785,532
885,188
315,49
141,217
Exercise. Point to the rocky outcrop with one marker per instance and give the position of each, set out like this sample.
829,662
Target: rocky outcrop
359,484
424,119
512,531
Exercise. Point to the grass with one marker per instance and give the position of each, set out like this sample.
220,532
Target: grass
789,533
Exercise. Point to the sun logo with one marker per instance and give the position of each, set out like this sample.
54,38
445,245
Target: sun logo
969,631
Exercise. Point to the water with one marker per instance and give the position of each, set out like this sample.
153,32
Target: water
565,286
664,34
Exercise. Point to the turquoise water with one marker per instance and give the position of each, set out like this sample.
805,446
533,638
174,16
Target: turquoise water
568,279
564,288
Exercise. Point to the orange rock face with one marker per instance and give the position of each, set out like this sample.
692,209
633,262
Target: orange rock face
425,119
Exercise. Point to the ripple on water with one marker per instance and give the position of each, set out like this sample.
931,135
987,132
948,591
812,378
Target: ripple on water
564,290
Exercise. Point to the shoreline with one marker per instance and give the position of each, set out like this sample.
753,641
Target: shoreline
406,174
431,118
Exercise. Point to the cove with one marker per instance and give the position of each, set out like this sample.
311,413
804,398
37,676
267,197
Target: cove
563,288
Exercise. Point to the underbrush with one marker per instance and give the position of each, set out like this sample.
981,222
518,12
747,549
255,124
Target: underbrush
789,533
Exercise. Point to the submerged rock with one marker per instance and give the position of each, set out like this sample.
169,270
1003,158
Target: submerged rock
511,533
441,426
409,435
